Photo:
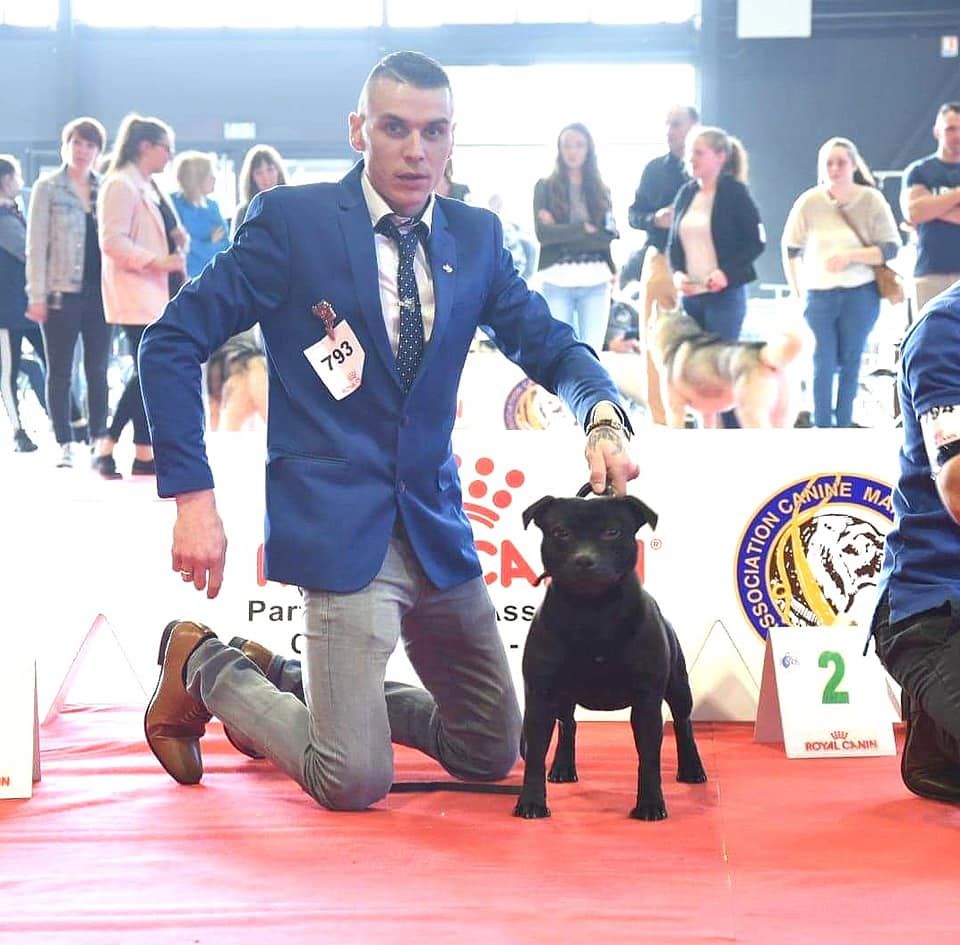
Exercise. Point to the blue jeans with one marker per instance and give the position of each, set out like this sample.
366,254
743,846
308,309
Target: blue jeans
337,747
841,321
721,313
586,309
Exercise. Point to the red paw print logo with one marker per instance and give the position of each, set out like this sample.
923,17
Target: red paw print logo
481,488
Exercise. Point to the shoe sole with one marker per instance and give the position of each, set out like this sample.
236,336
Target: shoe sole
164,640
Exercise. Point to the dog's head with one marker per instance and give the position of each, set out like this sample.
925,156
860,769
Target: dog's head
588,544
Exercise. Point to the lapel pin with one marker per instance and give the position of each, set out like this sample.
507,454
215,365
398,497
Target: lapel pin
446,267
324,311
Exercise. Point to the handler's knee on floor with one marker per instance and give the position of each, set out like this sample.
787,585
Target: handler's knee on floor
352,785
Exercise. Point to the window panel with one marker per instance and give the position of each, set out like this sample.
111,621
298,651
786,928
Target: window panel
216,14
29,12
438,12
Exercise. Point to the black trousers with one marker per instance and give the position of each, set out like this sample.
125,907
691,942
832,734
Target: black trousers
922,653
11,342
80,316
130,407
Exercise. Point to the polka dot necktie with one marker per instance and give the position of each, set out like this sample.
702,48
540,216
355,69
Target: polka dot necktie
411,342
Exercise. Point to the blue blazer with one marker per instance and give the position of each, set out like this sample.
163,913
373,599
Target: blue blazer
340,472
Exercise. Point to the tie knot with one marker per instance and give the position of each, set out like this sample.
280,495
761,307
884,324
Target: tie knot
405,232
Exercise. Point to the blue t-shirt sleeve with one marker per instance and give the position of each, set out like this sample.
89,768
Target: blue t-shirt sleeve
930,360
914,175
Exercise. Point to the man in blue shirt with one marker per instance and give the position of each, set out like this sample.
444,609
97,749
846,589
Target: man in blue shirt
368,293
930,201
917,620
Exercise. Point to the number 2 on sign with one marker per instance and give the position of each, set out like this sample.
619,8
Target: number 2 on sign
339,354
831,694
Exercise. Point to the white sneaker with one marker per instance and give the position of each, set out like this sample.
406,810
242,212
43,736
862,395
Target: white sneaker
66,457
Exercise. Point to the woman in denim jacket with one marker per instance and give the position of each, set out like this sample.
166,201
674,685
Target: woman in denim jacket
63,280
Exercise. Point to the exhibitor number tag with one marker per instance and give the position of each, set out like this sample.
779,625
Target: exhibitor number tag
337,360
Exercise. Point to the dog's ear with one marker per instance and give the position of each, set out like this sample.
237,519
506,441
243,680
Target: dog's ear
530,514
642,512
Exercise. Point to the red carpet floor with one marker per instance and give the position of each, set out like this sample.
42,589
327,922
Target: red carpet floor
110,850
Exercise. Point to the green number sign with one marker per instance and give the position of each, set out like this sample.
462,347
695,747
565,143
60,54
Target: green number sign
831,694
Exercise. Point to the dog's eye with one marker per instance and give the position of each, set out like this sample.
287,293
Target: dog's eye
611,534
560,533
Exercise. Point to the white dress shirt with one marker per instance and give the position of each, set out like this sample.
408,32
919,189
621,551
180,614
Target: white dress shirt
388,262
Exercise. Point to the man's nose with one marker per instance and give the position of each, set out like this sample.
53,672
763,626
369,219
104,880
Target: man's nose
414,146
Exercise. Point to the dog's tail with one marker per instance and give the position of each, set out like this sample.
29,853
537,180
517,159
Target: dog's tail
779,352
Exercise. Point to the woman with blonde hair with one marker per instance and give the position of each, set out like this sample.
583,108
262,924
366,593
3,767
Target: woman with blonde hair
140,240
838,230
716,233
262,169
715,236
198,211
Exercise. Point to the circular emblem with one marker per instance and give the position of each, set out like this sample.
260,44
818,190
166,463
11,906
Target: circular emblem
529,407
810,551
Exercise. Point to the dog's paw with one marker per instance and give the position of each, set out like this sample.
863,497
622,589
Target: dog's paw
657,811
531,810
692,776
562,774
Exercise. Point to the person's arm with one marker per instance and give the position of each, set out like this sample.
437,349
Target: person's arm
38,247
116,206
920,206
550,232
519,323
250,278
880,229
645,213
750,239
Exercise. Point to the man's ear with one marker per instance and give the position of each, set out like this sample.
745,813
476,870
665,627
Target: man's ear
357,140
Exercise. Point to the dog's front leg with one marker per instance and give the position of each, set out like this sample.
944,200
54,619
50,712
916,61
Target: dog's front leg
646,719
564,767
539,715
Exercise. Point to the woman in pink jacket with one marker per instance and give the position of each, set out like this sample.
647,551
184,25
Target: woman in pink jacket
142,244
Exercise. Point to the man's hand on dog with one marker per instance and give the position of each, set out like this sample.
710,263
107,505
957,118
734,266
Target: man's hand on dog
607,454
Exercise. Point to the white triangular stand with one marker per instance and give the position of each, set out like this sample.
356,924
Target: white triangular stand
19,732
113,664
719,669
822,697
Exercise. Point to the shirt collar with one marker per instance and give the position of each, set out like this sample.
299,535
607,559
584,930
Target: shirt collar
379,208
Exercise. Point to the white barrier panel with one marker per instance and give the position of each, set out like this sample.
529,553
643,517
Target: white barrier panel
757,528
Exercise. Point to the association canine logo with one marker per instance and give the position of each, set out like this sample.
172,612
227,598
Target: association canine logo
811,550
529,407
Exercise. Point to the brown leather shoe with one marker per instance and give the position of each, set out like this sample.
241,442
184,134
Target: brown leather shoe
261,657
175,721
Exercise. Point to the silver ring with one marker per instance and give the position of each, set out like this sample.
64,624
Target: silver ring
188,574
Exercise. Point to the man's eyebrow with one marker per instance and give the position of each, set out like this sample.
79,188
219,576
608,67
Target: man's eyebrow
389,116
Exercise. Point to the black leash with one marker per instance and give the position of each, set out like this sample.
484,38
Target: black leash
462,787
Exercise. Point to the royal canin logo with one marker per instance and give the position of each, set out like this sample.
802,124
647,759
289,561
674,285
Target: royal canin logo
840,741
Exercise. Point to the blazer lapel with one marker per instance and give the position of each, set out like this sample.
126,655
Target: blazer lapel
442,253
362,254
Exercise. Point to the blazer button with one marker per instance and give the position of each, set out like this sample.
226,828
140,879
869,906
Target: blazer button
401,486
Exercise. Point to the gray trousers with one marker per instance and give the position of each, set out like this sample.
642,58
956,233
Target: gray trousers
337,746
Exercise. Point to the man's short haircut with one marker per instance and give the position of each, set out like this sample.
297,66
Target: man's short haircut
948,107
409,68
88,129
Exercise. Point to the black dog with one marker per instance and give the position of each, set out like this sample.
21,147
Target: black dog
600,641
